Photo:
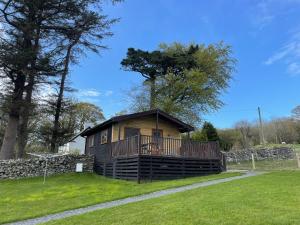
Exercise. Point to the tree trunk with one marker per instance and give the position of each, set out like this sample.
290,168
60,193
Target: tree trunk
10,135
54,145
9,140
152,93
24,118
27,106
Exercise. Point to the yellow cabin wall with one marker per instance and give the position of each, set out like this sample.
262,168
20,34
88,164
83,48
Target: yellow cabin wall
145,125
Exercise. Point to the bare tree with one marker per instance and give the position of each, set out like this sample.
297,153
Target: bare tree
245,128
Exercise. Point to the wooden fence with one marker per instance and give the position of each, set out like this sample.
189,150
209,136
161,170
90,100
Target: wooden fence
156,146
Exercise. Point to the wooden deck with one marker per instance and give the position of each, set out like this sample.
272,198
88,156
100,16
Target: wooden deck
148,145
148,158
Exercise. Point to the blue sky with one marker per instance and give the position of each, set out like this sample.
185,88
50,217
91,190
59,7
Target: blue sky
265,37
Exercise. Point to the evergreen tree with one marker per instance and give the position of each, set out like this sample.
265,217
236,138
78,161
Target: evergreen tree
185,80
35,36
210,132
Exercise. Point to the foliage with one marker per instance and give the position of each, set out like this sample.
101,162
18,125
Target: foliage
150,65
198,135
271,199
87,113
210,132
39,39
189,79
69,191
207,133
296,112
75,116
276,131
86,33
229,138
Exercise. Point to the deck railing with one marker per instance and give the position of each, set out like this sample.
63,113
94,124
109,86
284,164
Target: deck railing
149,145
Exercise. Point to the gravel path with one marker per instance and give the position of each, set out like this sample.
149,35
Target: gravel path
124,201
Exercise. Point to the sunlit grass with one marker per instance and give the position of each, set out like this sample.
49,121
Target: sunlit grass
27,198
269,199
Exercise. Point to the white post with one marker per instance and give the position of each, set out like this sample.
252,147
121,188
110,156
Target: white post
253,161
45,172
298,159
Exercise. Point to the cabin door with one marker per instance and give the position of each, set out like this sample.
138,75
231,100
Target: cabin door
132,139
157,138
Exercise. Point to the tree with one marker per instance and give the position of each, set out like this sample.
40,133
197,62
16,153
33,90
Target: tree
207,133
86,33
150,65
73,119
198,135
245,129
87,113
30,51
296,113
191,78
210,132
229,139
23,54
196,79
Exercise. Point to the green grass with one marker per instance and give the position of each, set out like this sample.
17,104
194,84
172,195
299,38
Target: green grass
28,198
269,199
265,165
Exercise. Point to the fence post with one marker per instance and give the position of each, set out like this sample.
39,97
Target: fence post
298,159
224,162
253,161
139,144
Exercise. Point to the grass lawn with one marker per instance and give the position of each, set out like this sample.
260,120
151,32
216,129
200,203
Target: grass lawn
265,165
28,198
267,199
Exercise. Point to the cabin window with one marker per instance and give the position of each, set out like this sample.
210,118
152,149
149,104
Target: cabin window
131,131
91,140
157,133
103,137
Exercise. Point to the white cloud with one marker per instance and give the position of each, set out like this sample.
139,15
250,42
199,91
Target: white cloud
294,68
292,48
264,12
88,93
289,54
90,100
92,95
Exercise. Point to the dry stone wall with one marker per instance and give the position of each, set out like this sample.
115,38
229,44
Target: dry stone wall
261,154
12,169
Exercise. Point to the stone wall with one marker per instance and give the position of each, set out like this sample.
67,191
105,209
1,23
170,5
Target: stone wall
12,169
261,154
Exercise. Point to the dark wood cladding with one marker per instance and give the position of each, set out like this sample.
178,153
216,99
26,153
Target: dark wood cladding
157,167
145,167
151,158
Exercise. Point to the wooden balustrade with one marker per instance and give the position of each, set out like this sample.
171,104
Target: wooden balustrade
149,145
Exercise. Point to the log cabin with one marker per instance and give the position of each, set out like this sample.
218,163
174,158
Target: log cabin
149,145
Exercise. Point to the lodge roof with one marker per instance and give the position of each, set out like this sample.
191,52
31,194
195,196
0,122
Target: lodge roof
183,127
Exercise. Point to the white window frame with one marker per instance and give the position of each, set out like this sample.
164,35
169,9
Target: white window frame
103,134
92,140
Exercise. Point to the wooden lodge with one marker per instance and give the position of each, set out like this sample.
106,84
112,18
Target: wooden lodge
149,145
